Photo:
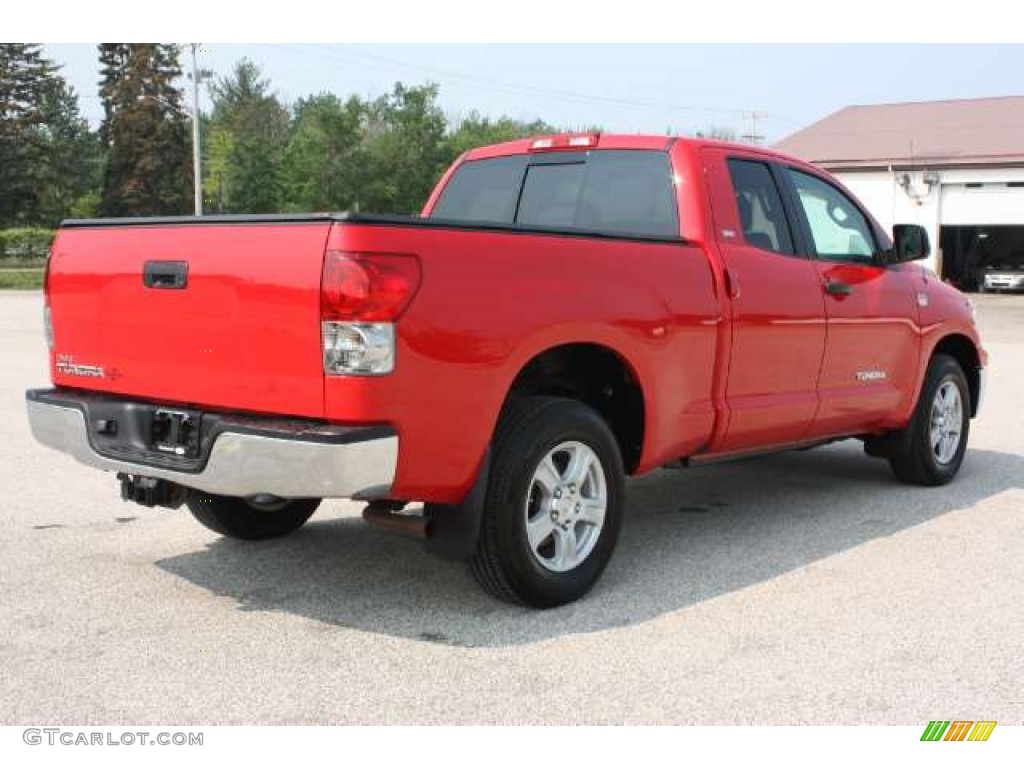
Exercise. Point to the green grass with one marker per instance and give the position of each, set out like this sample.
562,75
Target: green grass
23,279
19,263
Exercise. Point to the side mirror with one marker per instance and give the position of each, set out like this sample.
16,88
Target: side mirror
911,242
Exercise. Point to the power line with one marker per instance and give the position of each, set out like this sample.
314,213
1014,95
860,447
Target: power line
519,88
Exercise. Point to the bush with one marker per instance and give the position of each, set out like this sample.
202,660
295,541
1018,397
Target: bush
86,207
21,279
24,246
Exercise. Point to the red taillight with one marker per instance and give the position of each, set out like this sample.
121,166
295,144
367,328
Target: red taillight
371,287
46,276
570,141
47,314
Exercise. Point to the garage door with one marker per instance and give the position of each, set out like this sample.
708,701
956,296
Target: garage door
987,205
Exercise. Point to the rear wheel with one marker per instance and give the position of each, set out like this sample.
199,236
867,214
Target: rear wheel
553,506
936,439
249,519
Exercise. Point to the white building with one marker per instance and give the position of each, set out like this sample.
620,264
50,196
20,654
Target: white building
954,167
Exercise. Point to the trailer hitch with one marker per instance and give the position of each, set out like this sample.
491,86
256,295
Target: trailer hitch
151,491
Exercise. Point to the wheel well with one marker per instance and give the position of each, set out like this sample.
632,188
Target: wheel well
594,375
962,349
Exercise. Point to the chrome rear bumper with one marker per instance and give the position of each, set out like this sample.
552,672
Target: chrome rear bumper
241,463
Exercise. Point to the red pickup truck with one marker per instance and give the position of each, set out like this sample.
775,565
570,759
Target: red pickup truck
566,311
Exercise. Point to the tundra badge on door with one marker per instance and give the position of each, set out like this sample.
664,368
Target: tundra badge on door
871,376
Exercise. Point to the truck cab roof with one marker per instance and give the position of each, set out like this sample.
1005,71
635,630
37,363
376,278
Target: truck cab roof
597,140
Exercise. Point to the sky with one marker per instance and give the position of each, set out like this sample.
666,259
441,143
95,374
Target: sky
623,88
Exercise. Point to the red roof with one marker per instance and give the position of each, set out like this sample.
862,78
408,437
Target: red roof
925,133
616,141
606,141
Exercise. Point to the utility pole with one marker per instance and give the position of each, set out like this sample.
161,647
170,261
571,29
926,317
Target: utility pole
197,171
752,136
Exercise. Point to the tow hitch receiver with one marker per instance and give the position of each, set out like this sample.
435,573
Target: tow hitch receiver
176,432
150,491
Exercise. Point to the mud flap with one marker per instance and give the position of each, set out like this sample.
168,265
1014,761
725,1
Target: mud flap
455,528
894,443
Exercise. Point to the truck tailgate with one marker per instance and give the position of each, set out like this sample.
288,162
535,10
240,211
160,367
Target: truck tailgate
243,332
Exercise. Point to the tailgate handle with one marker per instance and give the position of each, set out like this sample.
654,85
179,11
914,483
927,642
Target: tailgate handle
165,274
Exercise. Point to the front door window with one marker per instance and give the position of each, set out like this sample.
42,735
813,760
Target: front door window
838,228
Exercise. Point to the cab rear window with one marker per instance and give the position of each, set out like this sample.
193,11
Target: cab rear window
627,192
485,190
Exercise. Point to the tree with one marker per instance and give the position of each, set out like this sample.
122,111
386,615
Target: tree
476,130
70,169
718,132
148,169
405,149
25,77
217,148
114,85
325,155
248,134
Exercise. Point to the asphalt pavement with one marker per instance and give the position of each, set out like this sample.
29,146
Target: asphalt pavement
806,587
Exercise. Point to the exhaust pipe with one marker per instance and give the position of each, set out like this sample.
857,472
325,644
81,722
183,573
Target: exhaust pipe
384,515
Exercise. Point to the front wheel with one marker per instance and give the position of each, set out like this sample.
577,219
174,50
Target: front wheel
553,506
249,519
936,439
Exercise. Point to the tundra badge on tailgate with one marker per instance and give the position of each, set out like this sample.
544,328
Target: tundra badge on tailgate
67,365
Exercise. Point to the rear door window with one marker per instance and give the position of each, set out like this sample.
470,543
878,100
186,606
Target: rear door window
759,204
627,192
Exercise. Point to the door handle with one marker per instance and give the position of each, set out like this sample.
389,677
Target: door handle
165,274
838,289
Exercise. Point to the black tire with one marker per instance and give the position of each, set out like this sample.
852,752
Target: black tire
241,519
917,461
505,564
